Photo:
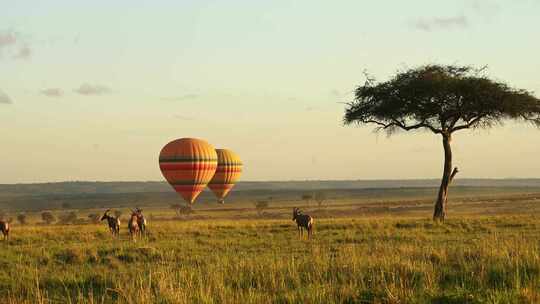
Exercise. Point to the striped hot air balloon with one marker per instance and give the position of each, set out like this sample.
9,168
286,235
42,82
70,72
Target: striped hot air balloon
188,164
228,172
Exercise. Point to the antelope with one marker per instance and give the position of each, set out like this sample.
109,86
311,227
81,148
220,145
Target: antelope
114,222
141,220
4,227
133,225
303,221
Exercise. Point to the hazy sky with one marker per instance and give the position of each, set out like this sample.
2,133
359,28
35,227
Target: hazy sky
91,90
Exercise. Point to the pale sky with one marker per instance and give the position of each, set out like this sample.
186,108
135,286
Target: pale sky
91,90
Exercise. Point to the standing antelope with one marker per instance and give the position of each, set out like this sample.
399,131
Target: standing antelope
303,221
4,227
114,222
133,225
141,220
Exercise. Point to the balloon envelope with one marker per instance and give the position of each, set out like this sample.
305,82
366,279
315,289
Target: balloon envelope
228,172
188,164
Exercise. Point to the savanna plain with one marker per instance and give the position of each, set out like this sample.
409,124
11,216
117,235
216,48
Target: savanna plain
369,246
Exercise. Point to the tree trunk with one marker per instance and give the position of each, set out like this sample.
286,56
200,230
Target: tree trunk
448,175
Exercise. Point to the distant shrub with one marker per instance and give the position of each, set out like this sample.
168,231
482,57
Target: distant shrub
320,198
68,217
307,197
261,205
66,205
21,218
94,218
182,210
48,217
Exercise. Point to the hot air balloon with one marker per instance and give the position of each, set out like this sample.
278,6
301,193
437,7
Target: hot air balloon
228,172
188,164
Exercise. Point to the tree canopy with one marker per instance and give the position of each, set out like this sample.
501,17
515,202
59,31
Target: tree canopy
442,99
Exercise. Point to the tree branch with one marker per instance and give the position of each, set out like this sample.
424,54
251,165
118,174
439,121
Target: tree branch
468,125
454,172
402,125
377,123
534,119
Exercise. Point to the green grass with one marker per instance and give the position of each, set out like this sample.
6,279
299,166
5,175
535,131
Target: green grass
380,259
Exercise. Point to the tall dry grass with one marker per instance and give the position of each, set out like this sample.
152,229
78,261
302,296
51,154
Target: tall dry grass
368,260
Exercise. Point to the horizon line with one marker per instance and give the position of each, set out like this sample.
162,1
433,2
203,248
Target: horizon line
279,181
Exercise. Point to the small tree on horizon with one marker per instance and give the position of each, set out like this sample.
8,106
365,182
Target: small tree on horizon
21,218
261,205
182,209
320,198
442,100
48,217
307,197
68,217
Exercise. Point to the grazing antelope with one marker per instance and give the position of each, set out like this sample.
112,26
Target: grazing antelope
141,220
4,227
303,221
114,222
133,225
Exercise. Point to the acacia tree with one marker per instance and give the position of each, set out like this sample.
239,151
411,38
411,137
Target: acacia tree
442,100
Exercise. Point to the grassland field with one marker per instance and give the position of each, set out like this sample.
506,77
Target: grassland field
372,249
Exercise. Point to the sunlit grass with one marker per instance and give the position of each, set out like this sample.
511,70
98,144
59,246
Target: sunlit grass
351,260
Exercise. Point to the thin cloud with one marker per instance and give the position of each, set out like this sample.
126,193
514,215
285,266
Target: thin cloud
486,8
183,117
52,92
23,53
441,23
334,93
92,89
15,46
4,98
7,38
183,97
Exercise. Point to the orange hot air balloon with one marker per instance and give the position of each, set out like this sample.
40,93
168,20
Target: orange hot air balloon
188,164
228,172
